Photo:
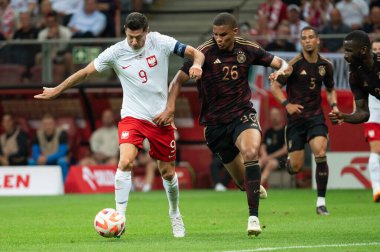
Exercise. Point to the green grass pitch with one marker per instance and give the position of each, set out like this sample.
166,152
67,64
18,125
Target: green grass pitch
214,222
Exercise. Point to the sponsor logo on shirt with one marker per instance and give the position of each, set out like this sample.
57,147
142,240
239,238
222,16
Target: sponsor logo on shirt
217,61
152,61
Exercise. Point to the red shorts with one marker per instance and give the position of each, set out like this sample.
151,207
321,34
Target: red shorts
372,132
161,139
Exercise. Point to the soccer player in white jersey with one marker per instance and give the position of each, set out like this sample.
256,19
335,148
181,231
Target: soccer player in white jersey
141,63
372,135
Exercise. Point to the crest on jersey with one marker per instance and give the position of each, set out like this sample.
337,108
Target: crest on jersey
152,61
241,57
124,134
322,70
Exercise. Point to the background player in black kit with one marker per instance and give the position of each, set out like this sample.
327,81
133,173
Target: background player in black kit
232,129
306,122
364,77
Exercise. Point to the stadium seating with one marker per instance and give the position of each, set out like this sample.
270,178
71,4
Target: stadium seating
58,73
11,74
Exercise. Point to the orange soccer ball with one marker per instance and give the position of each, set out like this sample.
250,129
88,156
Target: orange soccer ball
109,223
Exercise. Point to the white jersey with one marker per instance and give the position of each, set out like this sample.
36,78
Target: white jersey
143,74
374,109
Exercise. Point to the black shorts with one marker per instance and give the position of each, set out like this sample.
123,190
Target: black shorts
221,138
299,134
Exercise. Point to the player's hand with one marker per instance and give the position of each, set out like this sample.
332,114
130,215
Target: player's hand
294,109
165,118
48,93
336,118
195,72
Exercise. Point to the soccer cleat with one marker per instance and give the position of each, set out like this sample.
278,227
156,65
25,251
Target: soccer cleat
177,226
376,197
219,187
322,210
253,226
121,233
263,192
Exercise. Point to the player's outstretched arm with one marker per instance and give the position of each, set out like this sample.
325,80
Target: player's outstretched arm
72,80
167,116
360,114
195,71
291,108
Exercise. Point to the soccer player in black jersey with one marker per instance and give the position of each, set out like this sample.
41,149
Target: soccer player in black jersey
364,76
306,122
232,130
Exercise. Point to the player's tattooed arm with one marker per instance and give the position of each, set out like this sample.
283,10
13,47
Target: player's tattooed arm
360,114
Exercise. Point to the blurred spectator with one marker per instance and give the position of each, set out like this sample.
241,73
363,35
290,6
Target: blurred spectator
273,149
335,26
59,52
50,145
19,6
111,9
262,32
25,54
274,12
373,26
354,12
13,143
317,12
295,24
7,20
45,8
281,41
104,142
219,175
88,22
66,8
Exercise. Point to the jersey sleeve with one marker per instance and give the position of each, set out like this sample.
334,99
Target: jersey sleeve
260,56
329,77
357,89
166,43
104,60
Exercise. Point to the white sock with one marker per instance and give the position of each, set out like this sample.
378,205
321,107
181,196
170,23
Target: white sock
374,171
123,184
321,201
172,192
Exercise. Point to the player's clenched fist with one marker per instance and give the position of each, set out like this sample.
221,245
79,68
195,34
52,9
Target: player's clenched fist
336,118
195,72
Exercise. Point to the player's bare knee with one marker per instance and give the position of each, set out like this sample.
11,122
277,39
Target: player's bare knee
168,174
125,164
296,167
250,154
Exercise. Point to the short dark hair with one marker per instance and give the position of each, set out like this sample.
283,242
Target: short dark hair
310,28
376,40
225,18
136,21
359,37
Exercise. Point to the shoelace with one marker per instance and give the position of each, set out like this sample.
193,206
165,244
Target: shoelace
177,224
